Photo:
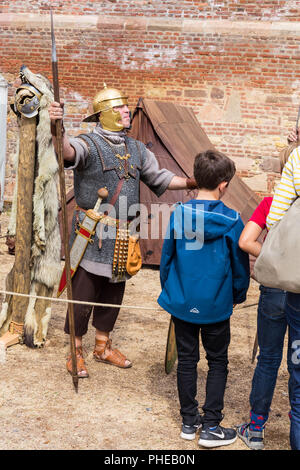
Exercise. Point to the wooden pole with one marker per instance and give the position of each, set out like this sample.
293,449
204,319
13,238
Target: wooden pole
26,167
21,269
63,203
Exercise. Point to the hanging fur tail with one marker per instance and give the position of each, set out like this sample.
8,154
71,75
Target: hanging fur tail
37,316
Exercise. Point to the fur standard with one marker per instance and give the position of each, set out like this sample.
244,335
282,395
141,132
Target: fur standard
46,243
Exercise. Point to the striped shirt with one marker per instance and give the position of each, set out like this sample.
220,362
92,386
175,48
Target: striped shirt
287,190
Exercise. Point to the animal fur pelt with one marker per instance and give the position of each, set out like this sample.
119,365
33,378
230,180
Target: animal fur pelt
46,243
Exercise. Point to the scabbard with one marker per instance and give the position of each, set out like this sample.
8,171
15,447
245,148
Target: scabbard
84,235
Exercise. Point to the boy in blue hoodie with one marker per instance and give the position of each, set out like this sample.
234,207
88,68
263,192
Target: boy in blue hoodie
203,273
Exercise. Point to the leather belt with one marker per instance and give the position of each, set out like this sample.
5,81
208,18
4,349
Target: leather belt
105,219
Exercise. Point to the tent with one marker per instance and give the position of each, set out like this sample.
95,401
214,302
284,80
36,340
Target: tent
174,135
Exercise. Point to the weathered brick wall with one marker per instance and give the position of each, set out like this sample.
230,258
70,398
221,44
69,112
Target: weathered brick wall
273,10
241,77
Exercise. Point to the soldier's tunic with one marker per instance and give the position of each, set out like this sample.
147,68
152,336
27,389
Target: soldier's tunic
97,165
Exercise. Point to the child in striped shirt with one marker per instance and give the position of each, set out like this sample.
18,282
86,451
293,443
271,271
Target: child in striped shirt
271,330
287,190
286,193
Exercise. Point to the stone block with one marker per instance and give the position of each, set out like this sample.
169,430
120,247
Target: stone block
195,93
258,183
244,163
270,164
154,92
210,112
157,24
233,108
217,93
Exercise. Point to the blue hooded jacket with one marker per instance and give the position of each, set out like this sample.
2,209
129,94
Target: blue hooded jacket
203,272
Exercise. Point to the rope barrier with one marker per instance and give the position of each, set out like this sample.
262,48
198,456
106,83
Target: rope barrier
94,304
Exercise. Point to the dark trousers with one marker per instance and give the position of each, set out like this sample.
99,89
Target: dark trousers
293,319
271,329
91,288
215,339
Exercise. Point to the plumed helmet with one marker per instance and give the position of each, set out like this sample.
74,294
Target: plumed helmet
27,100
104,102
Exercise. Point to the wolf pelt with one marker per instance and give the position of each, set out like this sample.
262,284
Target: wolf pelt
46,243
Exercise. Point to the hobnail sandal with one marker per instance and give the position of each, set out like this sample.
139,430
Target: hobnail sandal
114,356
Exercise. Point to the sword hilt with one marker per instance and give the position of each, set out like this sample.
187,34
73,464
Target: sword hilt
102,194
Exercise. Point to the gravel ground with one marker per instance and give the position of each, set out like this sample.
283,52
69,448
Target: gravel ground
119,409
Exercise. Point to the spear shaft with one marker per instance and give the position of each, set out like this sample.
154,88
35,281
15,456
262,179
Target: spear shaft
297,122
59,149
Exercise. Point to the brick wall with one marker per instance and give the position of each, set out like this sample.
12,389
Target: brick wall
277,10
239,69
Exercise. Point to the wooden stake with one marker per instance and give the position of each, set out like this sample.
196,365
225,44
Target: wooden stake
26,167
21,269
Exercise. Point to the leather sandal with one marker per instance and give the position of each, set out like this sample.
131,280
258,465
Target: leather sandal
103,352
81,368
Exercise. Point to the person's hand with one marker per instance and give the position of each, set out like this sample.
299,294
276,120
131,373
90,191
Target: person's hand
293,136
56,111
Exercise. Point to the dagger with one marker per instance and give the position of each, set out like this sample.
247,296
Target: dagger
102,194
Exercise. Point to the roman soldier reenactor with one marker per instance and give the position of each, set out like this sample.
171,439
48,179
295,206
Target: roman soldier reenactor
106,158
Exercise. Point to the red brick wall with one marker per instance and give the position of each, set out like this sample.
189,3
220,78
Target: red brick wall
241,77
274,10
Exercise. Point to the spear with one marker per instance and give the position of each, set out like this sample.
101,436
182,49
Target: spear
59,139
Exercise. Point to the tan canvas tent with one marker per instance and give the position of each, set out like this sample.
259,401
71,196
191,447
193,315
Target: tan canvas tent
175,136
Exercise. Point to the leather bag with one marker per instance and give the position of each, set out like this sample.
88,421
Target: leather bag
134,257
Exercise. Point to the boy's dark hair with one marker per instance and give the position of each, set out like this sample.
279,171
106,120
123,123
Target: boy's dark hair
212,168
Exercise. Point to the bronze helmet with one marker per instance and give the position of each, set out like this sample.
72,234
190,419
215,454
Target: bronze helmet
103,103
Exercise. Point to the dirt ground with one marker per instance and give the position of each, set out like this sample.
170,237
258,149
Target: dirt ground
119,409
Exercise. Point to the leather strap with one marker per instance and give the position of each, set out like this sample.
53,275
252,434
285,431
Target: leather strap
106,219
191,183
117,192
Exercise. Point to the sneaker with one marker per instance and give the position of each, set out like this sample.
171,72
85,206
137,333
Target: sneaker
253,439
189,432
217,436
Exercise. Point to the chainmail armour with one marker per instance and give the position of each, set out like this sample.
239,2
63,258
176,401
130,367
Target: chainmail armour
100,167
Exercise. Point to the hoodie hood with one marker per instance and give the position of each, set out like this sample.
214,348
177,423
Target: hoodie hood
203,219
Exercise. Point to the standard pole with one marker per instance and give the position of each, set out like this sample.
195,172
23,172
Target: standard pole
63,203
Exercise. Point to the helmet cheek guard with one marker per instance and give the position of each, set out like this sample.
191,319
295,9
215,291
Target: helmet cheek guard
111,120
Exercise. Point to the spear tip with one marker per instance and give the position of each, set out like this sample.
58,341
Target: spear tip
54,59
